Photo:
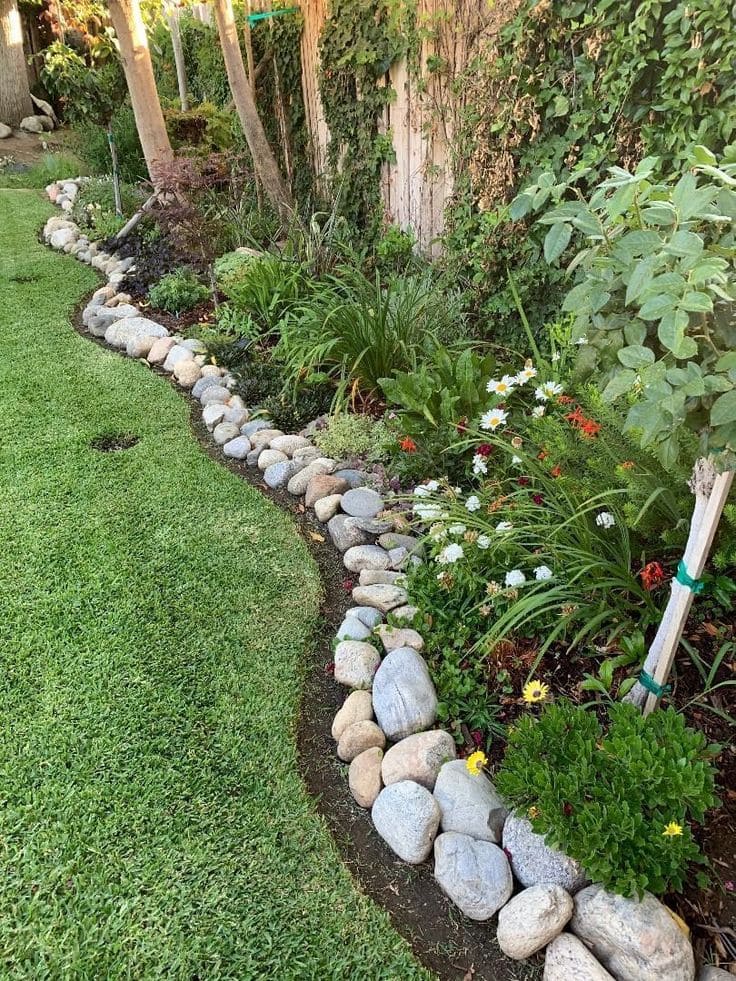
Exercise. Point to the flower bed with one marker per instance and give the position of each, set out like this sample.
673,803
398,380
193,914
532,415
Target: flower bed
425,801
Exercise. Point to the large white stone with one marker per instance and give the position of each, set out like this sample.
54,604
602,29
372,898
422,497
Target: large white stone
357,707
418,757
404,697
469,802
531,919
533,861
475,874
356,663
406,816
567,959
635,939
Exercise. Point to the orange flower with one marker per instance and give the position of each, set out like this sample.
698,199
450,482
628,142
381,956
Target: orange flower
556,471
590,429
652,575
564,400
627,465
408,445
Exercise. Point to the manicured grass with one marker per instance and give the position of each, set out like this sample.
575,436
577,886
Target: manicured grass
154,614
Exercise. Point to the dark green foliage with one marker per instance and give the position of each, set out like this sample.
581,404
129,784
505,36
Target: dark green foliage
92,146
605,796
203,129
178,291
265,288
292,414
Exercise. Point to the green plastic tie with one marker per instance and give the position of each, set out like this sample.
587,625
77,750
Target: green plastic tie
684,577
263,14
648,682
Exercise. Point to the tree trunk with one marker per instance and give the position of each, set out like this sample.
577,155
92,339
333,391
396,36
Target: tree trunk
172,18
711,490
136,58
15,96
264,160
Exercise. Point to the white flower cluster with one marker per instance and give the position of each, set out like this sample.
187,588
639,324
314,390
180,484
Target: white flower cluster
493,419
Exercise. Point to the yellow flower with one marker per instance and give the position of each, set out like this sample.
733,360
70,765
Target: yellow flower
475,762
533,812
672,830
534,691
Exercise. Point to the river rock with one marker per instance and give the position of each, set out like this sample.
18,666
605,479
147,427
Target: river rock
176,355
393,637
356,663
5,132
224,432
213,415
321,486
404,697
365,557
32,124
236,414
406,613
289,444
359,737
531,919
366,614
343,532
161,347
567,959
255,426
354,478
352,629
406,816
364,776
279,474
237,448
62,237
325,507
469,803
636,940
267,458
392,540
263,437
370,577
362,502
474,874
357,707
533,861
710,973
418,757
119,333
187,374
213,393
382,596
307,454
205,382
300,481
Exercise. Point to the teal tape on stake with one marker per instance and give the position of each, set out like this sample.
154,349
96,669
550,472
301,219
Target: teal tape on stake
684,577
263,14
648,682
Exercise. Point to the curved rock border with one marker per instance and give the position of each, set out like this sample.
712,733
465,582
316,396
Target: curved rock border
423,801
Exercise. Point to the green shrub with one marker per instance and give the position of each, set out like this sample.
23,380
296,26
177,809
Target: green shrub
349,434
292,414
202,129
91,144
265,288
84,91
395,251
606,797
178,292
94,205
51,167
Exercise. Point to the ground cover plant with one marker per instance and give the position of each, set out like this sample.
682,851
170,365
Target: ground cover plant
154,617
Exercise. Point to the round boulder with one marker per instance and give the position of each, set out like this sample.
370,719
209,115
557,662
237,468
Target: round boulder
364,777
357,707
474,874
359,737
404,697
566,959
356,663
469,802
418,757
531,919
406,816
533,861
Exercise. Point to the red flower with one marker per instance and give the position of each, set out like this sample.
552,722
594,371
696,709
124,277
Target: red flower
485,449
542,455
477,736
347,585
556,471
524,481
564,400
627,465
408,445
462,426
538,498
576,417
652,575
590,429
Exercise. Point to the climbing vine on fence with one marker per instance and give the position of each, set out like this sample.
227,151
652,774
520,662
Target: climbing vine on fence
359,43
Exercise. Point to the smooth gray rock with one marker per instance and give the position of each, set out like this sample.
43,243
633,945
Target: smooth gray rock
356,663
213,415
300,481
399,558
108,315
176,356
289,444
404,697
307,454
354,478
532,919
369,577
362,502
382,596
710,973
352,629
215,393
237,448
393,539
5,131
236,414
279,474
418,758
119,333
205,382
365,557
344,534
533,861
368,615
62,237
224,432
636,940
252,458
32,124
359,737
469,803
267,458
567,959
406,816
263,437
357,707
474,874
374,526
326,507
393,637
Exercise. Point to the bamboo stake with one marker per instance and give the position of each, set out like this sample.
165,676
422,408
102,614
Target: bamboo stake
711,490
252,81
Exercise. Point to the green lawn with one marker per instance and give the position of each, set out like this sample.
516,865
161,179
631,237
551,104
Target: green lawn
154,615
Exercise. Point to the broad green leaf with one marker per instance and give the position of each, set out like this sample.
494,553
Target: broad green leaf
726,362
635,333
635,356
671,329
640,278
697,302
723,411
619,385
702,155
556,241
520,206
686,348
658,306
685,243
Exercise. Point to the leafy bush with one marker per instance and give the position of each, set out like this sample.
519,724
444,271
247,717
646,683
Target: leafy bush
51,167
655,294
607,798
292,414
265,288
84,91
202,129
91,144
395,251
94,206
349,434
178,292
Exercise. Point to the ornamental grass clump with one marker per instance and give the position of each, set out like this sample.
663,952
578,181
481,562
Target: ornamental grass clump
620,800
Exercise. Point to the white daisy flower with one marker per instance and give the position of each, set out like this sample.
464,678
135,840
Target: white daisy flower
429,512
548,391
503,387
514,578
526,374
424,490
516,460
473,503
458,529
504,526
605,520
538,411
493,419
479,465
484,541
542,573
450,554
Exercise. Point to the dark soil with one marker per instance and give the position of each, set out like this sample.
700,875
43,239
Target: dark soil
111,442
